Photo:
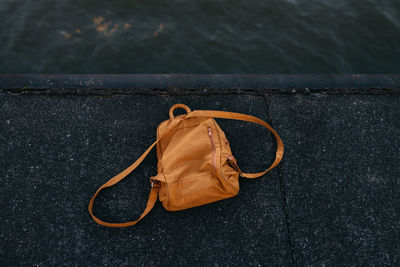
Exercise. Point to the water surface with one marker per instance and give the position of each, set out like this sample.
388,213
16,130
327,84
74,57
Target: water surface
200,36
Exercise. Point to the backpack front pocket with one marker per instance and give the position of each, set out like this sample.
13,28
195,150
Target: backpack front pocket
193,192
190,152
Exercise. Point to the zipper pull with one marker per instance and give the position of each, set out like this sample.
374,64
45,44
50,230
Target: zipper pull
209,131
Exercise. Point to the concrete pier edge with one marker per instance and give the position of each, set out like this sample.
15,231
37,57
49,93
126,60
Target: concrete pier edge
203,84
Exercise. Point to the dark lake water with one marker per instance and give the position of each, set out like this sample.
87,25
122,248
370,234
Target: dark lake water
200,36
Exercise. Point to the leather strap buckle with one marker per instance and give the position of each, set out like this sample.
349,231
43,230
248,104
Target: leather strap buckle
155,183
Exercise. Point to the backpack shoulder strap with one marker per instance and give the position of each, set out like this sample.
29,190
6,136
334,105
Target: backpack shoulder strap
244,117
150,202
155,187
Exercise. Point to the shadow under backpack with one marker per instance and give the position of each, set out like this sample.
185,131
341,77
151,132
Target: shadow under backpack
195,163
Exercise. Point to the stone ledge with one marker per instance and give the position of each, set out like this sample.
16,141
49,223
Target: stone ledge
184,84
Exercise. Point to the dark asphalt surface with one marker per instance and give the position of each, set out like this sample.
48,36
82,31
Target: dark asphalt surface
334,200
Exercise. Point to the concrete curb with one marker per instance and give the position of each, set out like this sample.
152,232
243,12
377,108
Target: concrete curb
203,84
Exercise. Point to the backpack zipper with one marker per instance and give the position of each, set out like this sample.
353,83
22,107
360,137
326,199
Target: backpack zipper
222,173
212,147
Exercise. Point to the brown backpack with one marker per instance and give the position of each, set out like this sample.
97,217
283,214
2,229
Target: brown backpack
195,163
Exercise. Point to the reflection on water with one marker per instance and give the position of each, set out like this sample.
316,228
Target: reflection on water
219,36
